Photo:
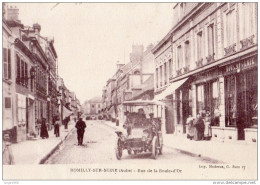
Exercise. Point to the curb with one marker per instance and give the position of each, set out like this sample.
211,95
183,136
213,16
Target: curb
193,154
46,157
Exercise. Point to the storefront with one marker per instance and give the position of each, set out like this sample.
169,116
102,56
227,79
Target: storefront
241,99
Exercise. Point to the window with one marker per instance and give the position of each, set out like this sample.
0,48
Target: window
247,98
165,72
93,106
208,99
161,76
246,22
200,98
22,72
8,102
187,53
179,57
25,74
170,68
230,101
182,9
21,106
18,70
199,45
211,40
157,76
229,28
7,63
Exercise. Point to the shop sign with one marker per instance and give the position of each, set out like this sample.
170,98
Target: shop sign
244,64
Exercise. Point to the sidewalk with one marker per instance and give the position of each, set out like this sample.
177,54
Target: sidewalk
238,152
37,151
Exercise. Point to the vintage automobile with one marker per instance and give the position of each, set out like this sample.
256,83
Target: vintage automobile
143,134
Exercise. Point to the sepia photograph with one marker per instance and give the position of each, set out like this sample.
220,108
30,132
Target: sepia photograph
130,91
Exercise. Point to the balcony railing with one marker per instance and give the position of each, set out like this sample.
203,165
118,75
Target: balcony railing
210,58
171,77
186,69
230,49
199,63
179,72
245,43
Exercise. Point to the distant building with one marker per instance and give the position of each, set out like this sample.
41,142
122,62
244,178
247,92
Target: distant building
92,106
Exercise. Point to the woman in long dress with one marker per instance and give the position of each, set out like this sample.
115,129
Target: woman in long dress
44,132
189,122
207,131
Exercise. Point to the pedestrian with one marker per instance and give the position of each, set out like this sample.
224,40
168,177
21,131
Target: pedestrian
189,122
66,122
57,127
8,157
80,125
207,131
198,128
44,132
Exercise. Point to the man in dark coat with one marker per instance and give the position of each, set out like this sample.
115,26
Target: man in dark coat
80,125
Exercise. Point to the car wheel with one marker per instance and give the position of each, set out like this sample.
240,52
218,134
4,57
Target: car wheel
155,148
119,150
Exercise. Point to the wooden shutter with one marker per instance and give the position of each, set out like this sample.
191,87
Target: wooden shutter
22,72
9,64
5,65
18,70
26,74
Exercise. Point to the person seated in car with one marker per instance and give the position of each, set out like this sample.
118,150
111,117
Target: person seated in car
141,117
128,123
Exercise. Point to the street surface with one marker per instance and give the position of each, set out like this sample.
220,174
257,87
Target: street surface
99,142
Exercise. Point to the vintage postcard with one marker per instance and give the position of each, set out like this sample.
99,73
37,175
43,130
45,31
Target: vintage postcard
130,91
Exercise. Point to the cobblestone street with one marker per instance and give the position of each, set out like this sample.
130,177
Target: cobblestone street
99,142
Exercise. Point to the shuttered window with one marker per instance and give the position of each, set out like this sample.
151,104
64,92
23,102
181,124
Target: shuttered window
5,63
18,70
22,72
8,102
26,74
9,64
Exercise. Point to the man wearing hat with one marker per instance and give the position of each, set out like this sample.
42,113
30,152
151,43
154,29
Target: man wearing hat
80,125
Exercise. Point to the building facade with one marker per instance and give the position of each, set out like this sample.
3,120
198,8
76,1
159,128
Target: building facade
214,55
30,91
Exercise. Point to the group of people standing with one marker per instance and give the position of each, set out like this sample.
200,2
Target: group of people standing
56,124
199,128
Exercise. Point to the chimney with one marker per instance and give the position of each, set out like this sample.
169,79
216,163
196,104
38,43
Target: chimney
12,13
37,30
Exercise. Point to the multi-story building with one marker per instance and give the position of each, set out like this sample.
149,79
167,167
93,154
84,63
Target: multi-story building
214,62
9,95
131,81
23,72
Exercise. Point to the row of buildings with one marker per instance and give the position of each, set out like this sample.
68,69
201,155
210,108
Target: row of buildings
32,89
131,81
206,62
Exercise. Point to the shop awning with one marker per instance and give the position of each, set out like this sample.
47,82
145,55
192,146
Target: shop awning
142,102
170,89
66,112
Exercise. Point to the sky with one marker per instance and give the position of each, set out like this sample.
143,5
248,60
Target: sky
90,38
